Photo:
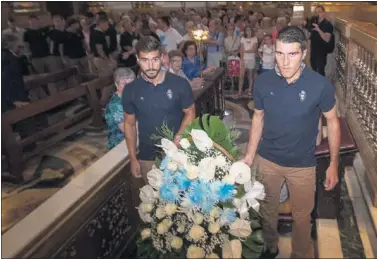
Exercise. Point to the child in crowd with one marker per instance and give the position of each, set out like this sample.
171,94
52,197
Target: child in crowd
267,54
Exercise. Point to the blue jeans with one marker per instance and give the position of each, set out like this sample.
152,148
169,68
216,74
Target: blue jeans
263,70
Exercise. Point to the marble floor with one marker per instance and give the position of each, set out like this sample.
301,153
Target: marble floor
352,235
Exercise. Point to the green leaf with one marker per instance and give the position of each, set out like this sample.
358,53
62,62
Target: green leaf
255,224
257,237
247,253
228,205
240,191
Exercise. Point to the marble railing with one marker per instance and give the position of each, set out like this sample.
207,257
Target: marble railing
354,72
94,215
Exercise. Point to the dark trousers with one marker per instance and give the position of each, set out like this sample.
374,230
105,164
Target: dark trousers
318,62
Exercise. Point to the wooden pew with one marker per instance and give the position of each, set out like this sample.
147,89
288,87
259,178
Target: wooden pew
95,91
46,137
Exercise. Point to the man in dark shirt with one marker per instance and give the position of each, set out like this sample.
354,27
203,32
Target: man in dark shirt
13,92
57,36
128,40
288,103
100,48
320,37
155,98
35,39
75,46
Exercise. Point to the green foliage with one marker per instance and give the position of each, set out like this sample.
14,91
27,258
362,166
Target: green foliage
163,132
217,130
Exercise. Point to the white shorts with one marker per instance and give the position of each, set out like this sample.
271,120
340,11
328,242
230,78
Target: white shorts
249,63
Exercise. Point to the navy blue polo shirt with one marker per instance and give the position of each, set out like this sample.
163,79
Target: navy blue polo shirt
291,115
154,105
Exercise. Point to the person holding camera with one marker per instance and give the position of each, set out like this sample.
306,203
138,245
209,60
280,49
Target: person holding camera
321,31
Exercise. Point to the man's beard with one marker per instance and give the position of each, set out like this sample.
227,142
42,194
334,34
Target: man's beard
151,70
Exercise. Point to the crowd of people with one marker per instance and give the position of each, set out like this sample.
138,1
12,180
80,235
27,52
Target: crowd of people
241,40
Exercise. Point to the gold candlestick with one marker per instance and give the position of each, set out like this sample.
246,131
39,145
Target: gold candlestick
200,36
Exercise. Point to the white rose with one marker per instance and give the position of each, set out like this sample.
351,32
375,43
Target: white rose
172,166
229,179
170,208
240,228
241,172
207,168
201,140
196,232
145,217
232,249
162,228
212,256
220,161
181,228
168,222
146,233
214,227
145,207
215,212
176,242
192,172
195,252
160,213
198,218
185,144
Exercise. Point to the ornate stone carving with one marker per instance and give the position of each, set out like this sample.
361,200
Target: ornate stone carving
105,232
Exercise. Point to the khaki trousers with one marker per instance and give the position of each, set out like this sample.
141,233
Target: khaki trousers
137,183
301,186
104,66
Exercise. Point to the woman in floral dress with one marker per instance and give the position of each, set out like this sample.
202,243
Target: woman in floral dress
114,109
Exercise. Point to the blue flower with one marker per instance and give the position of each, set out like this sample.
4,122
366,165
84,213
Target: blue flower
169,192
168,176
228,215
225,192
164,163
201,196
182,181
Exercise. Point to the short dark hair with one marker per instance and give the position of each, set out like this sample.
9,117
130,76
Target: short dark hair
148,44
71,21
321,7
237,18
175,53
188,44
292,34
166,20
102,20
11,19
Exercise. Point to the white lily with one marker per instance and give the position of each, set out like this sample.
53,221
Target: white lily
201,140
168,146
155,177
207,168
241,172
147,194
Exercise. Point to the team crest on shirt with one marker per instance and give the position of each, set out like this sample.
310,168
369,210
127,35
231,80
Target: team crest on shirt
169,94
302,96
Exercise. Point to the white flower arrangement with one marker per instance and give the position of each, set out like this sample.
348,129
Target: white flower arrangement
200,204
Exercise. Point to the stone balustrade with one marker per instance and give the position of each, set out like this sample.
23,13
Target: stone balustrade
355,76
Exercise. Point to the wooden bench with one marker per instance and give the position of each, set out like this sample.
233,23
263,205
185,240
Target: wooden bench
88,112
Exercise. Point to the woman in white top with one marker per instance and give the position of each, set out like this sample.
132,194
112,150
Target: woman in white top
249,46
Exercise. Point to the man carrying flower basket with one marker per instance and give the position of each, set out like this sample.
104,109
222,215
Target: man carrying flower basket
155,98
